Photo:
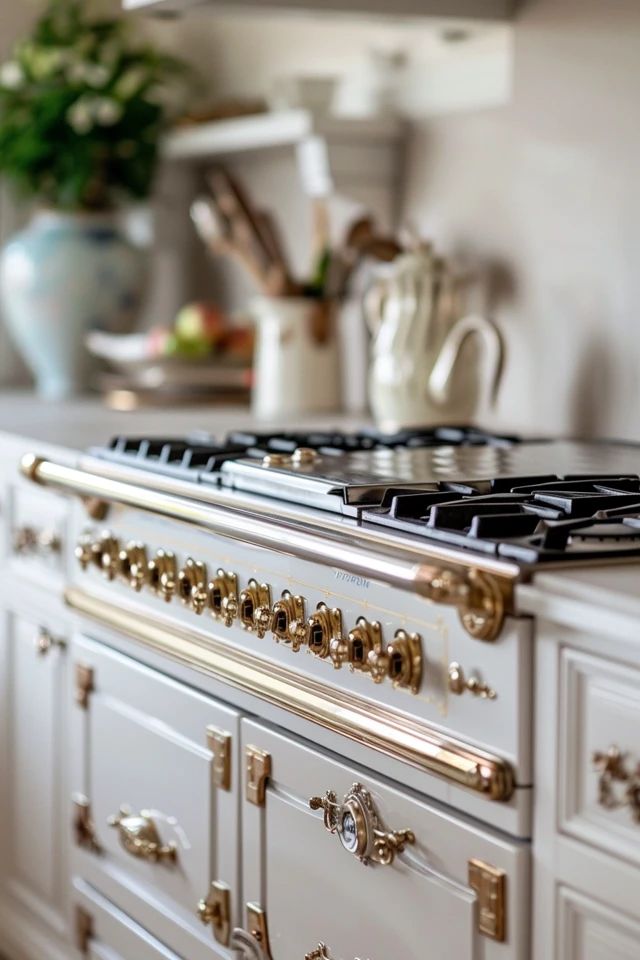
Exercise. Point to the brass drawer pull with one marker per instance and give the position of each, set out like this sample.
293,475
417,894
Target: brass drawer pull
613,770
28,540
139,836
459,684
215,910
45,641
359,828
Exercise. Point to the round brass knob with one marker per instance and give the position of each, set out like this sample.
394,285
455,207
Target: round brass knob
230,607
106,554
83,551
191,576
339,651
262,620
378,663
163,574
133,565
459,684
298,634
45,642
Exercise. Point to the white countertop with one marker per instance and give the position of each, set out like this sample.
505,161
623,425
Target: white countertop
84,422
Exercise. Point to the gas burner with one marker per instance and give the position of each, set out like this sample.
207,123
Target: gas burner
529,502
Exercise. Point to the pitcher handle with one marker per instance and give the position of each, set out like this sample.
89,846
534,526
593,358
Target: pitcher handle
440,376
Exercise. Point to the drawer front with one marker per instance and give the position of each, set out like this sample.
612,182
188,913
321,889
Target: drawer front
442,885
103,932
36,534
599,796
33,830
590,931
161,817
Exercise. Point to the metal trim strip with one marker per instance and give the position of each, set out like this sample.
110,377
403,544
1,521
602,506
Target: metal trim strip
374,725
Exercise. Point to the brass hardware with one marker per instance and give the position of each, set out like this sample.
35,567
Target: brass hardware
479,597
106,554
163,574
258,769
405,660
489,884
96,508
325,625
359,828
84,684
133,565
288,612
83,551
483,595
255,607
320,953
216,910
613,770
192,579
381,727
253,944
304,455
459,684
276,460
219,742
83,930
45,641
29,540
139,836
364,639
84,828
223,596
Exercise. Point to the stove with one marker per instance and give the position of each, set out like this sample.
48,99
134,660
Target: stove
527,502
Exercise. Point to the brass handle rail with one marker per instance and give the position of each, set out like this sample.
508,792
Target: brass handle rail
341,711
481,598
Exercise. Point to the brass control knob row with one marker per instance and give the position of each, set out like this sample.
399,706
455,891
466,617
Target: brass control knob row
362,648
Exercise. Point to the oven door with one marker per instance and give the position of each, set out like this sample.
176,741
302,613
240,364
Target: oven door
340,864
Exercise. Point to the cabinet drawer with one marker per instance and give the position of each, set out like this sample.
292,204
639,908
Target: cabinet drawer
156,803
599,794
590,931
441,890
36,530
105,933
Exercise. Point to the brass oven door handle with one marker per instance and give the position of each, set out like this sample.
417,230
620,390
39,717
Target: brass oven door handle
359,828
139,836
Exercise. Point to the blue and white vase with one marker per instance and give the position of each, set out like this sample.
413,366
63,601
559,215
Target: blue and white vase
62,276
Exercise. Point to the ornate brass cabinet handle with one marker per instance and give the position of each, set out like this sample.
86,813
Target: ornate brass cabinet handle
459,684
45,642
359,828
29,540
139,836
613,770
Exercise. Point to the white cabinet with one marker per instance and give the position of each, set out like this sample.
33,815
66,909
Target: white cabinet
452,885
34,834
590,931
155,786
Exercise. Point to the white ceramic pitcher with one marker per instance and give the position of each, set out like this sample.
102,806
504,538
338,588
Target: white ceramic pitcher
416,376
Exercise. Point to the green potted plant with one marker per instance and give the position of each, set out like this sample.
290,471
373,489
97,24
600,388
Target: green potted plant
82,108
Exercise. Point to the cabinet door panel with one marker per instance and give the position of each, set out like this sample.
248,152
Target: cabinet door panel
144,749
34,825
590,931
314,891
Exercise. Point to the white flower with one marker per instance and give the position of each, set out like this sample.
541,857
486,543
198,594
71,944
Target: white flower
96,75
11,75
106,111
130,82
80,116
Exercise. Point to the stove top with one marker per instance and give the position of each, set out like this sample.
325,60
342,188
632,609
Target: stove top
525,501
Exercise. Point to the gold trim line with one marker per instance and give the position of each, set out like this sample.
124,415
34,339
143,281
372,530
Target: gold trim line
342,712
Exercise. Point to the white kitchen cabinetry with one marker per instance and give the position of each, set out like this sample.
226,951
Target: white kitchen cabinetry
589,931
448,9
425,895
33,735
153,765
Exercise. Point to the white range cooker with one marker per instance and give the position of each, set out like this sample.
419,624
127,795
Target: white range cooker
321,694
